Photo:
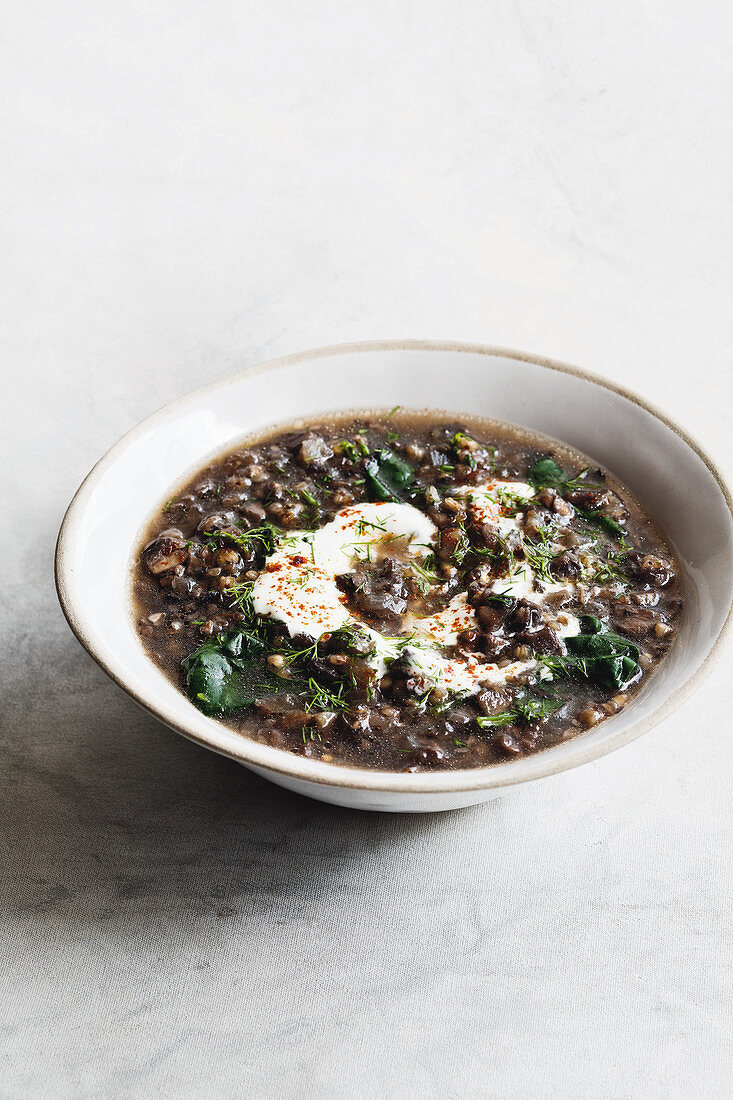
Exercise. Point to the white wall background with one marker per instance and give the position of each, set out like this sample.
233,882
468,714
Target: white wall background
191,187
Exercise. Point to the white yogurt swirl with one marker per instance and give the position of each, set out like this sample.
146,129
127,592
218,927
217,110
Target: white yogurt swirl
298,587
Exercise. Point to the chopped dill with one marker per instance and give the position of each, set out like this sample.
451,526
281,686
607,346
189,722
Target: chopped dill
305,577
526,709
605,572
322,698
500,597
504,555
351,638
362,524
266,536
426,575
240,596
580,482
451,700
464,446
306,653
347,448
540,554
511,502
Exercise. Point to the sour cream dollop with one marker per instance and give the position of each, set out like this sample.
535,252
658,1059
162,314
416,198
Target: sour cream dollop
298,584
298,587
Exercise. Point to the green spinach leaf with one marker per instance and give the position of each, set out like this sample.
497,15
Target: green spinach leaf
388,476
546,474
229,673
598,655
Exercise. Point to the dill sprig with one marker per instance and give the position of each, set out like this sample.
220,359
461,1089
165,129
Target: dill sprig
265,537
321,697
504,555
540,554
348,450
526,709
427,577
305,653
512,503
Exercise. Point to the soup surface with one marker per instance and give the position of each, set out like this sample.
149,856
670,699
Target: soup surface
398,591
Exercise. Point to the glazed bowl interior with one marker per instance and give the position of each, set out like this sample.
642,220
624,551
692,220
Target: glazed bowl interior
670,476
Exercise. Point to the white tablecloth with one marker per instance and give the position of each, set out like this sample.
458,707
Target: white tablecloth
189,188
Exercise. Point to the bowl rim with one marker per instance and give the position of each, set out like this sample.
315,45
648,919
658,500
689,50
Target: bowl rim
303,769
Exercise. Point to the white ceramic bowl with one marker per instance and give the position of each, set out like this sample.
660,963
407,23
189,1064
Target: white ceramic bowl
669,473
